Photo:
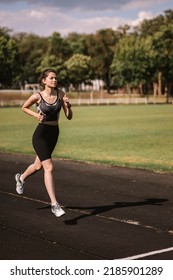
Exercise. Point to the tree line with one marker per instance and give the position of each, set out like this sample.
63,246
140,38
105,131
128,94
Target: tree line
136,59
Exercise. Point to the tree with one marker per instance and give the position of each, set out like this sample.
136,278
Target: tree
58,51
79,69
77,43
133,62
123,29
32,49
149,27
160,30
4,32
163,46
100,48
59,47
9,61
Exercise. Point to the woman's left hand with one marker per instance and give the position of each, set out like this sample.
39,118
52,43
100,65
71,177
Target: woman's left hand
66,101
67,107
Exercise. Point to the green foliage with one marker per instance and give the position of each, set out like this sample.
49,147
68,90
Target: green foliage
131,57
9,61
59,47
77,42
58,52
79,68
31,48
100,48
162,42
141,56
132,61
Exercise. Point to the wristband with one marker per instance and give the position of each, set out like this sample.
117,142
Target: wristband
69,105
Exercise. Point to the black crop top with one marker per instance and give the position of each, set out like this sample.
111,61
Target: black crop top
49,111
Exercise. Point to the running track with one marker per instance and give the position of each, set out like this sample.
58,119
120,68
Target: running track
111,213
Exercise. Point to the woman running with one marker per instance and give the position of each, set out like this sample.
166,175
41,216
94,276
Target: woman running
49,103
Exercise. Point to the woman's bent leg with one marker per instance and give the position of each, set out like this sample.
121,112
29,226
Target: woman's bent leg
20,178
34,167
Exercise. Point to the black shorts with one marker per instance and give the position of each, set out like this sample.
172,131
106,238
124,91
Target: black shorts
44,140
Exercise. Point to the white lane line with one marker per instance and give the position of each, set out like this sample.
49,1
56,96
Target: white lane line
25,197
135,257
130,222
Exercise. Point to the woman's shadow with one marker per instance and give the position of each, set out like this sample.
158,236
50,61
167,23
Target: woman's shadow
104,208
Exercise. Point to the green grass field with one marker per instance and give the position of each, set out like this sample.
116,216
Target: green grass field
134,136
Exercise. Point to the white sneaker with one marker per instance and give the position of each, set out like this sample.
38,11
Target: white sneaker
57,210
19,184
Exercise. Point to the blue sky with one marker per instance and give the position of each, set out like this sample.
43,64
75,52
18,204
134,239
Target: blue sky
43,17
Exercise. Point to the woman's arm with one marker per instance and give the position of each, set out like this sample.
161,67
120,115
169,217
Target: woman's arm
33,99
66,106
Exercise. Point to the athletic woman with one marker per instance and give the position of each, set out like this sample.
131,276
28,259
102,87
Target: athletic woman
49,102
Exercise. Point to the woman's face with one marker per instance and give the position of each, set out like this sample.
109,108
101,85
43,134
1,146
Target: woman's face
50,80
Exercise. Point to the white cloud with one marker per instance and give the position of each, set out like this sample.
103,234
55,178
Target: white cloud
37,14
139,4
47,20
81,16
42,22
141,16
